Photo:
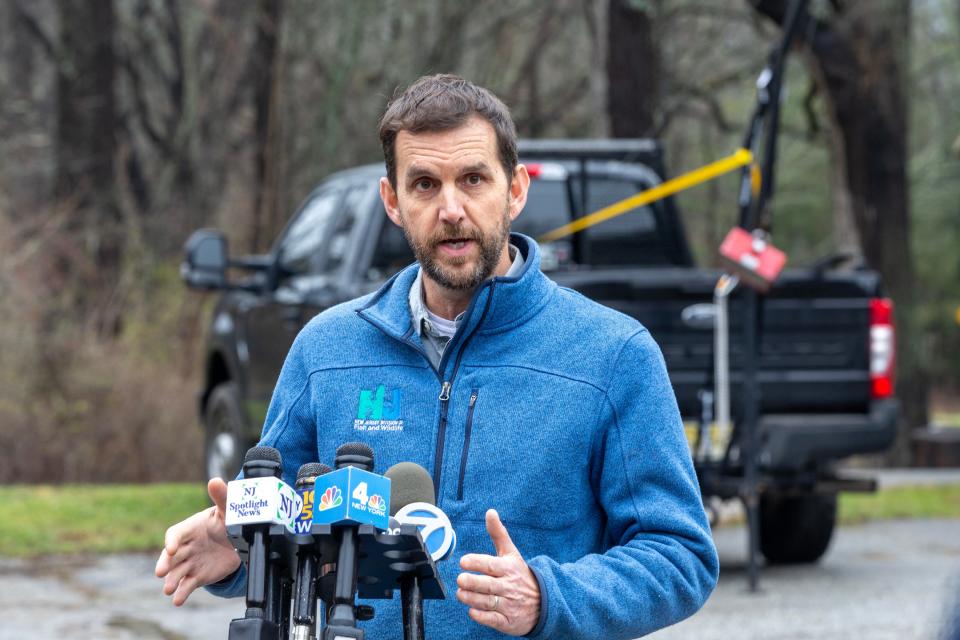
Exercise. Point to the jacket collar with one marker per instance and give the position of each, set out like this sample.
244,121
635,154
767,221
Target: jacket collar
498,304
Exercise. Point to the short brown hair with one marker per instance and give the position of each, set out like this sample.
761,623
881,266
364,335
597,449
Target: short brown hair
443,102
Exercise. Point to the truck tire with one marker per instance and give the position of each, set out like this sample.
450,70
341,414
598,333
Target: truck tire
796,529
224,442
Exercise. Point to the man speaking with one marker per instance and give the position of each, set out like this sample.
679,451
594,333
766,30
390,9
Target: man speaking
547,420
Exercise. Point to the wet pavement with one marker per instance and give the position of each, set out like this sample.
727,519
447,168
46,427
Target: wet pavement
883,580
109,597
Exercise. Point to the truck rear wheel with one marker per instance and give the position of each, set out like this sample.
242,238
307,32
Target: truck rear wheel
796,529
224,444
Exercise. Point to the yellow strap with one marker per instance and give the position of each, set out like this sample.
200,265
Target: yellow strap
756,179
734,161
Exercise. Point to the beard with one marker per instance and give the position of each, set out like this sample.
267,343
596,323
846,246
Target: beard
490,245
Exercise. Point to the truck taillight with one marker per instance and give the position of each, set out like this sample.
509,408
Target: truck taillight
545,171
883,348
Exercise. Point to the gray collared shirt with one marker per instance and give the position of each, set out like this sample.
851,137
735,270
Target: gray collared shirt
430,327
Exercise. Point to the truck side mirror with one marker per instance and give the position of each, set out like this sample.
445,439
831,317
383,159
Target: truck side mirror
205,261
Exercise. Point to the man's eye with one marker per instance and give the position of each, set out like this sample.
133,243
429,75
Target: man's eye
474,179
423,184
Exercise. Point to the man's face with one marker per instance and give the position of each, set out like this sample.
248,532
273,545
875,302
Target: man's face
454,202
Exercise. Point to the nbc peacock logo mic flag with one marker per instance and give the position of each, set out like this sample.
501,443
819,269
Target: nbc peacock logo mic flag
352,496
330,499
377,504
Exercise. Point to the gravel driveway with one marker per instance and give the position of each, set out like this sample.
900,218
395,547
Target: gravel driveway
878,581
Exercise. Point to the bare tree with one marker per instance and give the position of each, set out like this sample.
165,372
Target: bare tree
85,149
859,54
263,78
633,68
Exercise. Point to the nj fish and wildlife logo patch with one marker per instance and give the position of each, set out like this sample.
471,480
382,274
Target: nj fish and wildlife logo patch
379,410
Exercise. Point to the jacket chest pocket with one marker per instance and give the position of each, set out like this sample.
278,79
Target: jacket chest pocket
529,461
467,432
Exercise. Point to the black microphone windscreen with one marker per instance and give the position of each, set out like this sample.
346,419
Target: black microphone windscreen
262,453
409,483
312,470
357,454
354,448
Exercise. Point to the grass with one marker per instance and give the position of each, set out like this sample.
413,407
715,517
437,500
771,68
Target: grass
40,520
946,419
901,502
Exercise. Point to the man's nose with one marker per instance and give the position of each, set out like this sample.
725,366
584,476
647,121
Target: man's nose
451,205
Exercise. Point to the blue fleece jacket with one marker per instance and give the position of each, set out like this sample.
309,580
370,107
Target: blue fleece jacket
552,409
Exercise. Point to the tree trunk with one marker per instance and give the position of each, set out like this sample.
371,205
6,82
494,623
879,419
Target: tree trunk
86,139
860,58
263,62
633,69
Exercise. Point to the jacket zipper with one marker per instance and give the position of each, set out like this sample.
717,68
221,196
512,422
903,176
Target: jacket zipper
445,385
445,394
441,434
466,443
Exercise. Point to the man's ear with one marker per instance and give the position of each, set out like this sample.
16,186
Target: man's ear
389,196
519,185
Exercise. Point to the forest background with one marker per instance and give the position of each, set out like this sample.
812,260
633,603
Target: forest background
127,124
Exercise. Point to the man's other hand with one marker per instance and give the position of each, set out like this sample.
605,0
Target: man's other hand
197,551
505,595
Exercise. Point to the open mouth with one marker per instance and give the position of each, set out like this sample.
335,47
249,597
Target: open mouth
456,243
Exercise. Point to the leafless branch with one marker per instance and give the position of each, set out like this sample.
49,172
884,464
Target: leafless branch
698,11
143,113
684,94
809,110
33,27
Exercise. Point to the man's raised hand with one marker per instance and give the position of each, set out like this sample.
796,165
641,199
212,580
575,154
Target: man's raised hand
505,595
197,551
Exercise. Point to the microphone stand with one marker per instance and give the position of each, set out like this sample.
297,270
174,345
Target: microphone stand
342,622
262,618
305,607
411,599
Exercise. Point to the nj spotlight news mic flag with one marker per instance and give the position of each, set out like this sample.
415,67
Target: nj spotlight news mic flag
262,501
254,504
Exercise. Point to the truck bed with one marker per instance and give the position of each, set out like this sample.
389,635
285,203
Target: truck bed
814,352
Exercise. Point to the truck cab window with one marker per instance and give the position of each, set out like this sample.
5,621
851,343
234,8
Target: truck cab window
300,248
339,246
627,239
548,207
392,252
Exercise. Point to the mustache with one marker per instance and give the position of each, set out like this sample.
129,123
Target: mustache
457,232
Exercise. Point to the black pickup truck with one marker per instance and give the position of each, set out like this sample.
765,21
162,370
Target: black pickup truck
825,356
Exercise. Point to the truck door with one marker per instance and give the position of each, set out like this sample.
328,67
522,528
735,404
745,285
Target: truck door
275,318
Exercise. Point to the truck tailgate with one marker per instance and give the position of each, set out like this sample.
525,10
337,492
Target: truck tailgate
814,349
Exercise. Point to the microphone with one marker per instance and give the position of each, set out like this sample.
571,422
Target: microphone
305,587
412,500
365,504
254,503
354,454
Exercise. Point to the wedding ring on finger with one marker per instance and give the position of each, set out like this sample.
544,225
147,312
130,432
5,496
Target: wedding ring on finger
496,603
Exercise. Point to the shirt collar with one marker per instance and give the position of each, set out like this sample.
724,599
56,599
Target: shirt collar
418,308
